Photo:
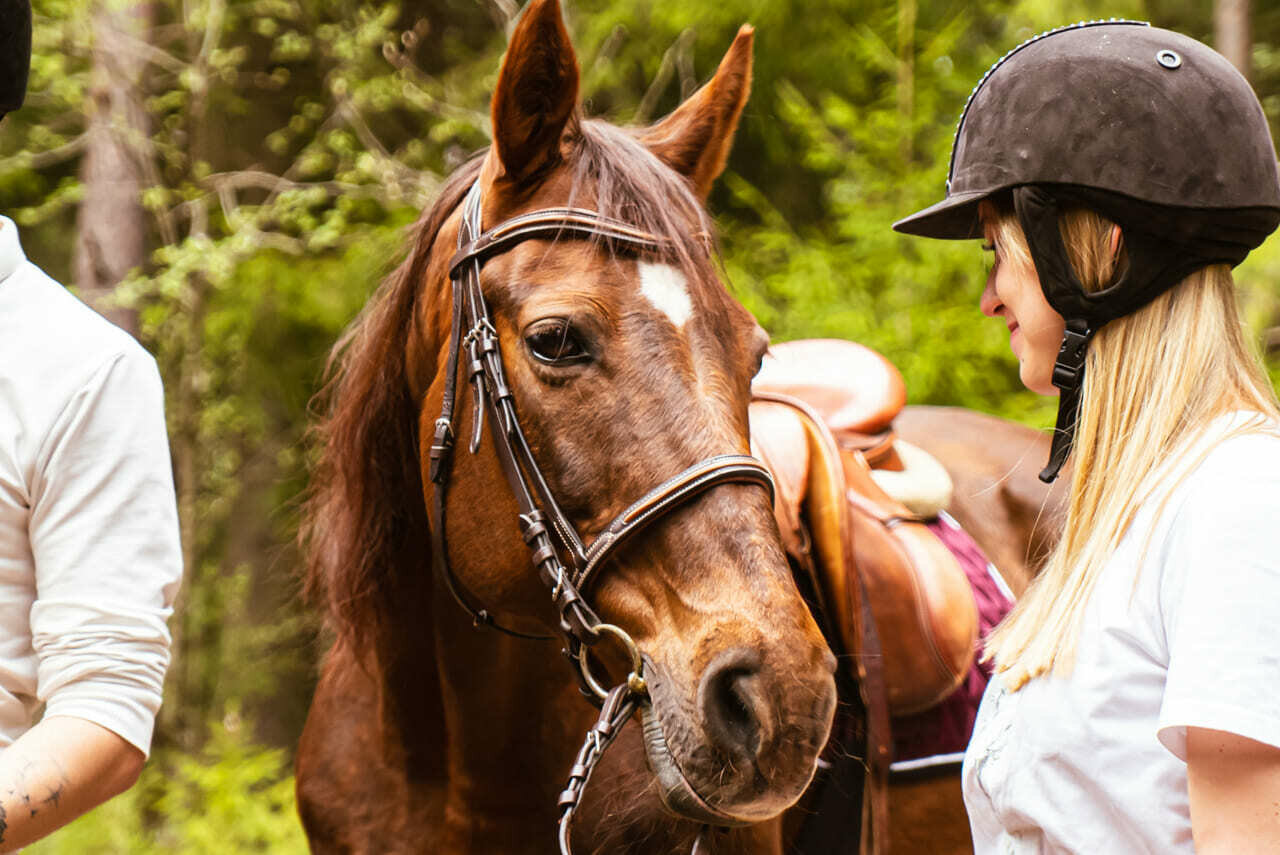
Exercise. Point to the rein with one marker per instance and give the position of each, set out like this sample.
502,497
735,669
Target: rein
556,551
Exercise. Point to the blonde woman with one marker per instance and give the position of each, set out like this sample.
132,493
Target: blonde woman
1117,173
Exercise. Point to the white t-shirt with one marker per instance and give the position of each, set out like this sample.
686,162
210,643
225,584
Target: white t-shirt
90,560
1094,763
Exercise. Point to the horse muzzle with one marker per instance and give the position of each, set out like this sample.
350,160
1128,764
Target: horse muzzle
745,748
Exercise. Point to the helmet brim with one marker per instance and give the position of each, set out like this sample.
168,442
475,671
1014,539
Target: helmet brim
954,218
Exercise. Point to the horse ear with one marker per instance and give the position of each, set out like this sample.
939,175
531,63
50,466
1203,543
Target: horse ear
537,92
696,138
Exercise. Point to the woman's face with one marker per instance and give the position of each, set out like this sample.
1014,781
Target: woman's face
1035,329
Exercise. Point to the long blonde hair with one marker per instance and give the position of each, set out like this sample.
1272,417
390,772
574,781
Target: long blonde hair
1154,381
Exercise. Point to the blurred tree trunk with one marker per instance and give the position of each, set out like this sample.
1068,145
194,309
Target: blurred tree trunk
111,227
1231,33
907,73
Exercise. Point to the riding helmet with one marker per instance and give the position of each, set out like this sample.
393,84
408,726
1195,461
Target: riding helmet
1145,126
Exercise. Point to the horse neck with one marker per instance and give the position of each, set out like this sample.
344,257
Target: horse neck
513,720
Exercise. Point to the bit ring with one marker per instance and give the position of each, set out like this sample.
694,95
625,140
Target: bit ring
635,680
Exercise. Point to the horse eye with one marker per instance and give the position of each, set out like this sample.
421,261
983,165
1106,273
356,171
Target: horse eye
556,343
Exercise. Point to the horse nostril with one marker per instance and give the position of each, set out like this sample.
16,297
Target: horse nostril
733,703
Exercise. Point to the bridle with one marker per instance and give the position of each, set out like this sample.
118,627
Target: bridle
563,563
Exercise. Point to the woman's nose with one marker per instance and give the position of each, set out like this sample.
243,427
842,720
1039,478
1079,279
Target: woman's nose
989,303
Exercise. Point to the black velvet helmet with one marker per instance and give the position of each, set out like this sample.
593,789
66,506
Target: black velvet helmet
15,53
1149,128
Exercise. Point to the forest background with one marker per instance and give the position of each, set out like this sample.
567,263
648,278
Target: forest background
230,179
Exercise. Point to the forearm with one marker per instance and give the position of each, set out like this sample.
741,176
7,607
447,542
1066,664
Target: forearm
1234,789
58,770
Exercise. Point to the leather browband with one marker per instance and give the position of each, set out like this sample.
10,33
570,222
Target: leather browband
551,223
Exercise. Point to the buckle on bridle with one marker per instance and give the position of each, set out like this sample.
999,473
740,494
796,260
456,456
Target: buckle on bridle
441,449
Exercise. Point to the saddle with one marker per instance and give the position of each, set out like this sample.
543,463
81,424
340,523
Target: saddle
851,505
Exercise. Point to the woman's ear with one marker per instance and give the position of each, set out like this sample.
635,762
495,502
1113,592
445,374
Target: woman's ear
1117,241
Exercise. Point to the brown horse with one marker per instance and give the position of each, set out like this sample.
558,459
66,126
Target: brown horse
427,734
998,498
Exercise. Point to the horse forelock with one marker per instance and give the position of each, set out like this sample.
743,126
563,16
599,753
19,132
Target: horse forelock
620,178
364,518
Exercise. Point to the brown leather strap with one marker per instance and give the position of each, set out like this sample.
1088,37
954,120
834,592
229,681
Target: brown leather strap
551,223
615,711
662,499
875,697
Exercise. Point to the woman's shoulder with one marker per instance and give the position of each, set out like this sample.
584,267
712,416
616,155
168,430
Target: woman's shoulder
1222,488
1242,449
1226,500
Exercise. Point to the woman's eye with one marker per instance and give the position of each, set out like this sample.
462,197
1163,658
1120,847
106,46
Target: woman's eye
990,246
556,343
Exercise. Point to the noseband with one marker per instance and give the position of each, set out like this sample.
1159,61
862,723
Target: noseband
562,562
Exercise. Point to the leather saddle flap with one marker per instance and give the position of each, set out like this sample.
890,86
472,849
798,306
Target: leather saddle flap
836,519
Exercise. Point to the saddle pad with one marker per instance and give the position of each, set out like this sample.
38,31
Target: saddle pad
943,731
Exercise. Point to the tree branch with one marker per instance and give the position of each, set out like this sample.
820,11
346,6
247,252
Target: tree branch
41,159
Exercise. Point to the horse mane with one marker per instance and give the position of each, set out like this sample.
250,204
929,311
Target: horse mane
365,528
364,515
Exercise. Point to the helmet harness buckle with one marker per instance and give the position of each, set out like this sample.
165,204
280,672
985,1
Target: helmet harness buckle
1068,369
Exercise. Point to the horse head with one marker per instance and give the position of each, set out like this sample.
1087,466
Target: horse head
625,368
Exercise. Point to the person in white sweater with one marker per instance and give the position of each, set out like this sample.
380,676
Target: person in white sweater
1117,172
90,560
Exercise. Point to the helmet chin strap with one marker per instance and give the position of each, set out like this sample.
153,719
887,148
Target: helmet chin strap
1037,212
1068,376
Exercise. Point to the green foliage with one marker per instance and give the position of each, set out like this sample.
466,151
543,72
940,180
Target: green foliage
234,797
262,333
290,142
231,797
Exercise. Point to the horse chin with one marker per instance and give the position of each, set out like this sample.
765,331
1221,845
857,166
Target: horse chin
678,794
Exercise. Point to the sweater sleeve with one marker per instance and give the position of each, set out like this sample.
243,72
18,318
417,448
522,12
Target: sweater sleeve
104,537
1219,592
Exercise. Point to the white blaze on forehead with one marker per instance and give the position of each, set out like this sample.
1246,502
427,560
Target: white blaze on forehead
668,290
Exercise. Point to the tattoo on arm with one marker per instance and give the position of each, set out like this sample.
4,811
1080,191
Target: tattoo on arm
55,797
